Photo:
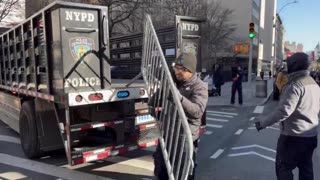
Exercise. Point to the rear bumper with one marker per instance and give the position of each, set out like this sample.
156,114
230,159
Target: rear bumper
106,152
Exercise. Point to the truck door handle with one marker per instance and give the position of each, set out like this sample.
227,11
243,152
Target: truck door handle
81,30
104,28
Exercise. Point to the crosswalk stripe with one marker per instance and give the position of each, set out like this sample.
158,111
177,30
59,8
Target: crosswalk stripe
239,132
208,132
252,118
258,110
219,115
217,154
214,126
216,119
220,112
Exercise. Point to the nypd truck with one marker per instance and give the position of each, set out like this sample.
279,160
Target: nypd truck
57,92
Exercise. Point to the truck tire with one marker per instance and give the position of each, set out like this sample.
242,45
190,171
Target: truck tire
28,130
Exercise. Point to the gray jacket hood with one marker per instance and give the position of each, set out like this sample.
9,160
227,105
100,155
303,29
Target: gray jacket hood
298,62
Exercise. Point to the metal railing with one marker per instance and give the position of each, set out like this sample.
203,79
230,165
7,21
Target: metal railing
176,139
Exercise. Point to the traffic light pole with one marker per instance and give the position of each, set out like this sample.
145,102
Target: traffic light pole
250,63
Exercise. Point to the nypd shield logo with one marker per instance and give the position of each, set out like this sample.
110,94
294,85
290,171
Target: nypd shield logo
80,46
190,48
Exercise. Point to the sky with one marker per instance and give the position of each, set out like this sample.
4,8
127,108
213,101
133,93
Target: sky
301,22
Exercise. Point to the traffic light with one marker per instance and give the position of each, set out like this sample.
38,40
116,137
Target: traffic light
252,32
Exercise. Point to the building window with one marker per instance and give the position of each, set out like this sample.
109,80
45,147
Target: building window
255,13
257,2
262,13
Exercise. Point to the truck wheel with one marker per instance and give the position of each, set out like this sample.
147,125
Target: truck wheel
28,130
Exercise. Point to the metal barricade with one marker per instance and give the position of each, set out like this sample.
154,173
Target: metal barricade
176,140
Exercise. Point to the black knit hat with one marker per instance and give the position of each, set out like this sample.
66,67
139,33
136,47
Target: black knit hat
298,62
188,61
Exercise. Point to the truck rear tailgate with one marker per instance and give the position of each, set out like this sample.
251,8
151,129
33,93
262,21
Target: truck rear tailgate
121,83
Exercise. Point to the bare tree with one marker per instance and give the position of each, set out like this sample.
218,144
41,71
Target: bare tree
119,10
6,6
219,29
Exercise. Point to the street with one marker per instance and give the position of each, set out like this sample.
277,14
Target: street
231,148
222,123
249,154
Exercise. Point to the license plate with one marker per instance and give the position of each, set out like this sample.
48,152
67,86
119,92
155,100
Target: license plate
144,119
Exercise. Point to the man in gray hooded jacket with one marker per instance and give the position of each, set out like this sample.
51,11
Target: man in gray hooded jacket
298,113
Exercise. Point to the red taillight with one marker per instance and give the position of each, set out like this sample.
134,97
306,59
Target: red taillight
14,92
79,98
95,97
142,92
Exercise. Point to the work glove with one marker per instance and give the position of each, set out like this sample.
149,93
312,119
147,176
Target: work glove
258,126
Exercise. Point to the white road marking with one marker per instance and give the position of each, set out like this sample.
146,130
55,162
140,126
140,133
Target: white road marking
216,119
217,154
214,126
254,146
10,139
219,115
208,132
228,109
12,175
252,153
239,132
227,113
252,118
258,110
144,162
274,128
45,168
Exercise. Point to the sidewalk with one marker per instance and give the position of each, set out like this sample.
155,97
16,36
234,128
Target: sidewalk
248,92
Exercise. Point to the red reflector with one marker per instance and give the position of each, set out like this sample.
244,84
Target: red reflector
78,161
79,98
95,97
123,150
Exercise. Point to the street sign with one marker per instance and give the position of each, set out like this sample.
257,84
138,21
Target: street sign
242,48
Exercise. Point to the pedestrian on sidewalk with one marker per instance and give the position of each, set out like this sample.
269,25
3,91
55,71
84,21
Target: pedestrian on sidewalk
194,97
262,74
298,113
237,85
280,81
218,79
270,74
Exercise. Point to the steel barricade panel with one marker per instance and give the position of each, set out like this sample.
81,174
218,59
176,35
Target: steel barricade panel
176,140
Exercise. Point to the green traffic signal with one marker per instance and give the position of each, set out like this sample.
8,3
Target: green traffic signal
251,35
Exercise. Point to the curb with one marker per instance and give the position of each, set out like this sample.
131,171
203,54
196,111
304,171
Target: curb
263,102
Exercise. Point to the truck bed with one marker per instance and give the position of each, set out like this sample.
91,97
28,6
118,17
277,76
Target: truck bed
121,83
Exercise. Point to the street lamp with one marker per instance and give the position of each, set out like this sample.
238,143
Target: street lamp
275,27
295,1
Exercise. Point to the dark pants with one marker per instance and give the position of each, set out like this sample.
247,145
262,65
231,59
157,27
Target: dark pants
236,87
295,152
160,169
218,87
